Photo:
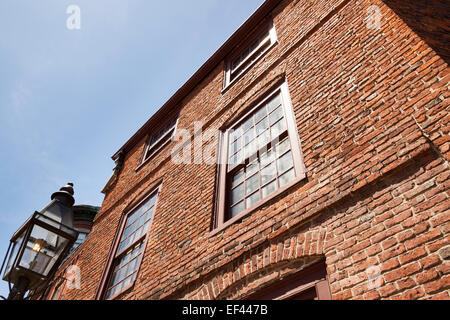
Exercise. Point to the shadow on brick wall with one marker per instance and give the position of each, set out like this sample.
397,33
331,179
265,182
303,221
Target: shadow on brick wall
408,171
429,19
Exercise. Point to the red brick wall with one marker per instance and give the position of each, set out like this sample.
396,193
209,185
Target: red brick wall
372,114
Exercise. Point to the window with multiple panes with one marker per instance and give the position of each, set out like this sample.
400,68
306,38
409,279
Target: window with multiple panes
249,51
130,248
260,156
160,138
80,239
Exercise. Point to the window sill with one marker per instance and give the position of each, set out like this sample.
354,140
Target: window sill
244,70
256,206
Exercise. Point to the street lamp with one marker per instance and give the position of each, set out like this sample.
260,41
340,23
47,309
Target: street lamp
40,244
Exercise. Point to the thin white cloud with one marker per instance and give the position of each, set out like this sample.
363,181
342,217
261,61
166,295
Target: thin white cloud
20,95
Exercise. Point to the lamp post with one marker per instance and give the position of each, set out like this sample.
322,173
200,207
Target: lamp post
37,248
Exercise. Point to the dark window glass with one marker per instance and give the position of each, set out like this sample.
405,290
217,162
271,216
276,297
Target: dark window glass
131,245
157,140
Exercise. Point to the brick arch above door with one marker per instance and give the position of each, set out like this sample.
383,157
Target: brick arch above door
255,285
282,255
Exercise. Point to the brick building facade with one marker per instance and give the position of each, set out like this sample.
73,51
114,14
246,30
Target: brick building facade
361,209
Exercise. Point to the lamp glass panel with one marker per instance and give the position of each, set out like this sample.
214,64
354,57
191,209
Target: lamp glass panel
13,254
56,214
64,228
42,250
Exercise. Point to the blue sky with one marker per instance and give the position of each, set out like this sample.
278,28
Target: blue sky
70,98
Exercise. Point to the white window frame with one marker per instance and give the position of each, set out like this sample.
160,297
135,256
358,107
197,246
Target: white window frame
221,217
232,75
152,149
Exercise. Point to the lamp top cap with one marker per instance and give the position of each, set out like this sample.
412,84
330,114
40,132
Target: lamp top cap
68,188
65,194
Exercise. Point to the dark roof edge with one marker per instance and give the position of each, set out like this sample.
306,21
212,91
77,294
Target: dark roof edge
85,207
203,71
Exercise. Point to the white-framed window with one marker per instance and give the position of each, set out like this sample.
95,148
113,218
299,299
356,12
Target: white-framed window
249,52
160,138
260,157
129,246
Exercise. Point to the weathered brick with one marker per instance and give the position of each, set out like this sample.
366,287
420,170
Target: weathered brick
402,272
438,285
412,255
411,294
427,276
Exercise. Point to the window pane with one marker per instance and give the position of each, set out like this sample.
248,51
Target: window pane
132,217
146,206
121,273
268,189
237,194
112,292
251,168
142,220
148,215
146,226
133,265
276,115
135,251
268,173
274,103
235,134
126,232
236,159
132,238
267,157
127,281
250,149
261,113
133,227
249,136
238,208
247,124
264,139
151,202
278,128
236,146
238,178
115,276
283,146
287,177
262,126
285,162
252,184
126,258
139,233
123,244
252,199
